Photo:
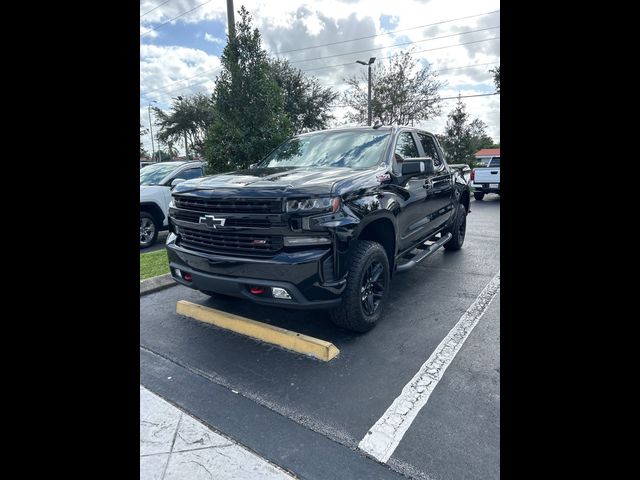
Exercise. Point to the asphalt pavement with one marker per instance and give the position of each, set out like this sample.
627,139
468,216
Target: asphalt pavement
307,416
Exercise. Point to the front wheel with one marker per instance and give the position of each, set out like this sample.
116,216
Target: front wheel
148,230
367,287
478,195
458,230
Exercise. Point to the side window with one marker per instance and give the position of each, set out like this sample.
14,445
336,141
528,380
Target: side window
495,162
190,173
430,149
406,147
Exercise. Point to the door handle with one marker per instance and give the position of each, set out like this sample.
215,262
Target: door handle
494,173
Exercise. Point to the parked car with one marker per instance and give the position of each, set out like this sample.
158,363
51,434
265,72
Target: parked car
323,222
156,183
486,179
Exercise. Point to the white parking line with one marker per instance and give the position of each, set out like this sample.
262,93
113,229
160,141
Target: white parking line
384,437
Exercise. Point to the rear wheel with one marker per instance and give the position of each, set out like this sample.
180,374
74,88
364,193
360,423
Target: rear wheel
458,230
148,230
366,291
478,195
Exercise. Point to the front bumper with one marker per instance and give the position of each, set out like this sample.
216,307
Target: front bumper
301,273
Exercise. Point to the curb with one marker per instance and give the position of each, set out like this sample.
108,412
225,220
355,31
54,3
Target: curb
155,284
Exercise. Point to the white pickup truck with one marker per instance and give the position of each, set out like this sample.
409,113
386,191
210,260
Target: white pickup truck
486,179
156,183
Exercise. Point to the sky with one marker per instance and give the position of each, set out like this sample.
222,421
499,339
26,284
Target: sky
181,56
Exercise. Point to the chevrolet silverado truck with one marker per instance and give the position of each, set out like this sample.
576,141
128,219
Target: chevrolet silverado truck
486,179
322,222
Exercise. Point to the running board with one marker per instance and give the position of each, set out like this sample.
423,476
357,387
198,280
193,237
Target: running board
418,258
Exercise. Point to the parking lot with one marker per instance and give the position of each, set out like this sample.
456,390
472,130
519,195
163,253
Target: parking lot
309,417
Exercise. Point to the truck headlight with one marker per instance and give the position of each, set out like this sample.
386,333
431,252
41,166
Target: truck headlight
309,205
300,241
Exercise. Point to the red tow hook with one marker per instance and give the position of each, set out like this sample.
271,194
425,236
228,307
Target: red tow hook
257,290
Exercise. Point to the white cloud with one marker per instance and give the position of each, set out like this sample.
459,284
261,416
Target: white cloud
210,38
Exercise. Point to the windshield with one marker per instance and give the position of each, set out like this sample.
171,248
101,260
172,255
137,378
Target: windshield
153,174
353,149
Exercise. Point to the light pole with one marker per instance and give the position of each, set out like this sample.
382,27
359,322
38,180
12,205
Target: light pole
186,149
371,60
153,152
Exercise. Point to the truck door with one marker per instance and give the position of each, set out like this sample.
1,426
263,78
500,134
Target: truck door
439,186
414,221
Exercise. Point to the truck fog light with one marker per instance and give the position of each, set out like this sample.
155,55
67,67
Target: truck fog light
278,292
177,272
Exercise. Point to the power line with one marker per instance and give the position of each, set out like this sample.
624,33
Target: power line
386,33
330,66
418,51
442,98
343,41
396,45
163,3
172,19
436,71
168,94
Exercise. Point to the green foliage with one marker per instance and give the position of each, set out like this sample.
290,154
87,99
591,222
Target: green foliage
190,116
306,102
463,138
400,94
248,106
163,156
496,77
143,152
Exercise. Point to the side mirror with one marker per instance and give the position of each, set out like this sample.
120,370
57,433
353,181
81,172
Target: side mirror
176,181
412,168
415,167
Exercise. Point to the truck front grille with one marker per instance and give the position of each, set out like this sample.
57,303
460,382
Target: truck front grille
226,242
221,205
194,217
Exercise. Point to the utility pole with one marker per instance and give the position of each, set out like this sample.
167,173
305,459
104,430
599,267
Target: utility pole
153,152
231,23
371,60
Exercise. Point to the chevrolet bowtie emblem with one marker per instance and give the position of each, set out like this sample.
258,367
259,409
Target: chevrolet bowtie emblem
211,221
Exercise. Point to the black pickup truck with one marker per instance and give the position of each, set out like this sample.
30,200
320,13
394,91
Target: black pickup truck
324,221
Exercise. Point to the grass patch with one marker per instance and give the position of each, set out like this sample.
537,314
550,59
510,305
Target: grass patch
153,264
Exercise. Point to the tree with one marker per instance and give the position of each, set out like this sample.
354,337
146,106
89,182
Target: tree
399,94
306,102
189,118
143,152
496,77
463,138
248,106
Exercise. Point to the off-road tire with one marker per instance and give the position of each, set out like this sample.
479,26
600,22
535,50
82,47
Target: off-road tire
351,314
458,229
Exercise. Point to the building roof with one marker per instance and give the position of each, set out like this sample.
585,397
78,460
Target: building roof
487,152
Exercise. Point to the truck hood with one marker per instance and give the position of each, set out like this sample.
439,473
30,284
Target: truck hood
284,181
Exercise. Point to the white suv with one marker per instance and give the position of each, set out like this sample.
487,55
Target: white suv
156,183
